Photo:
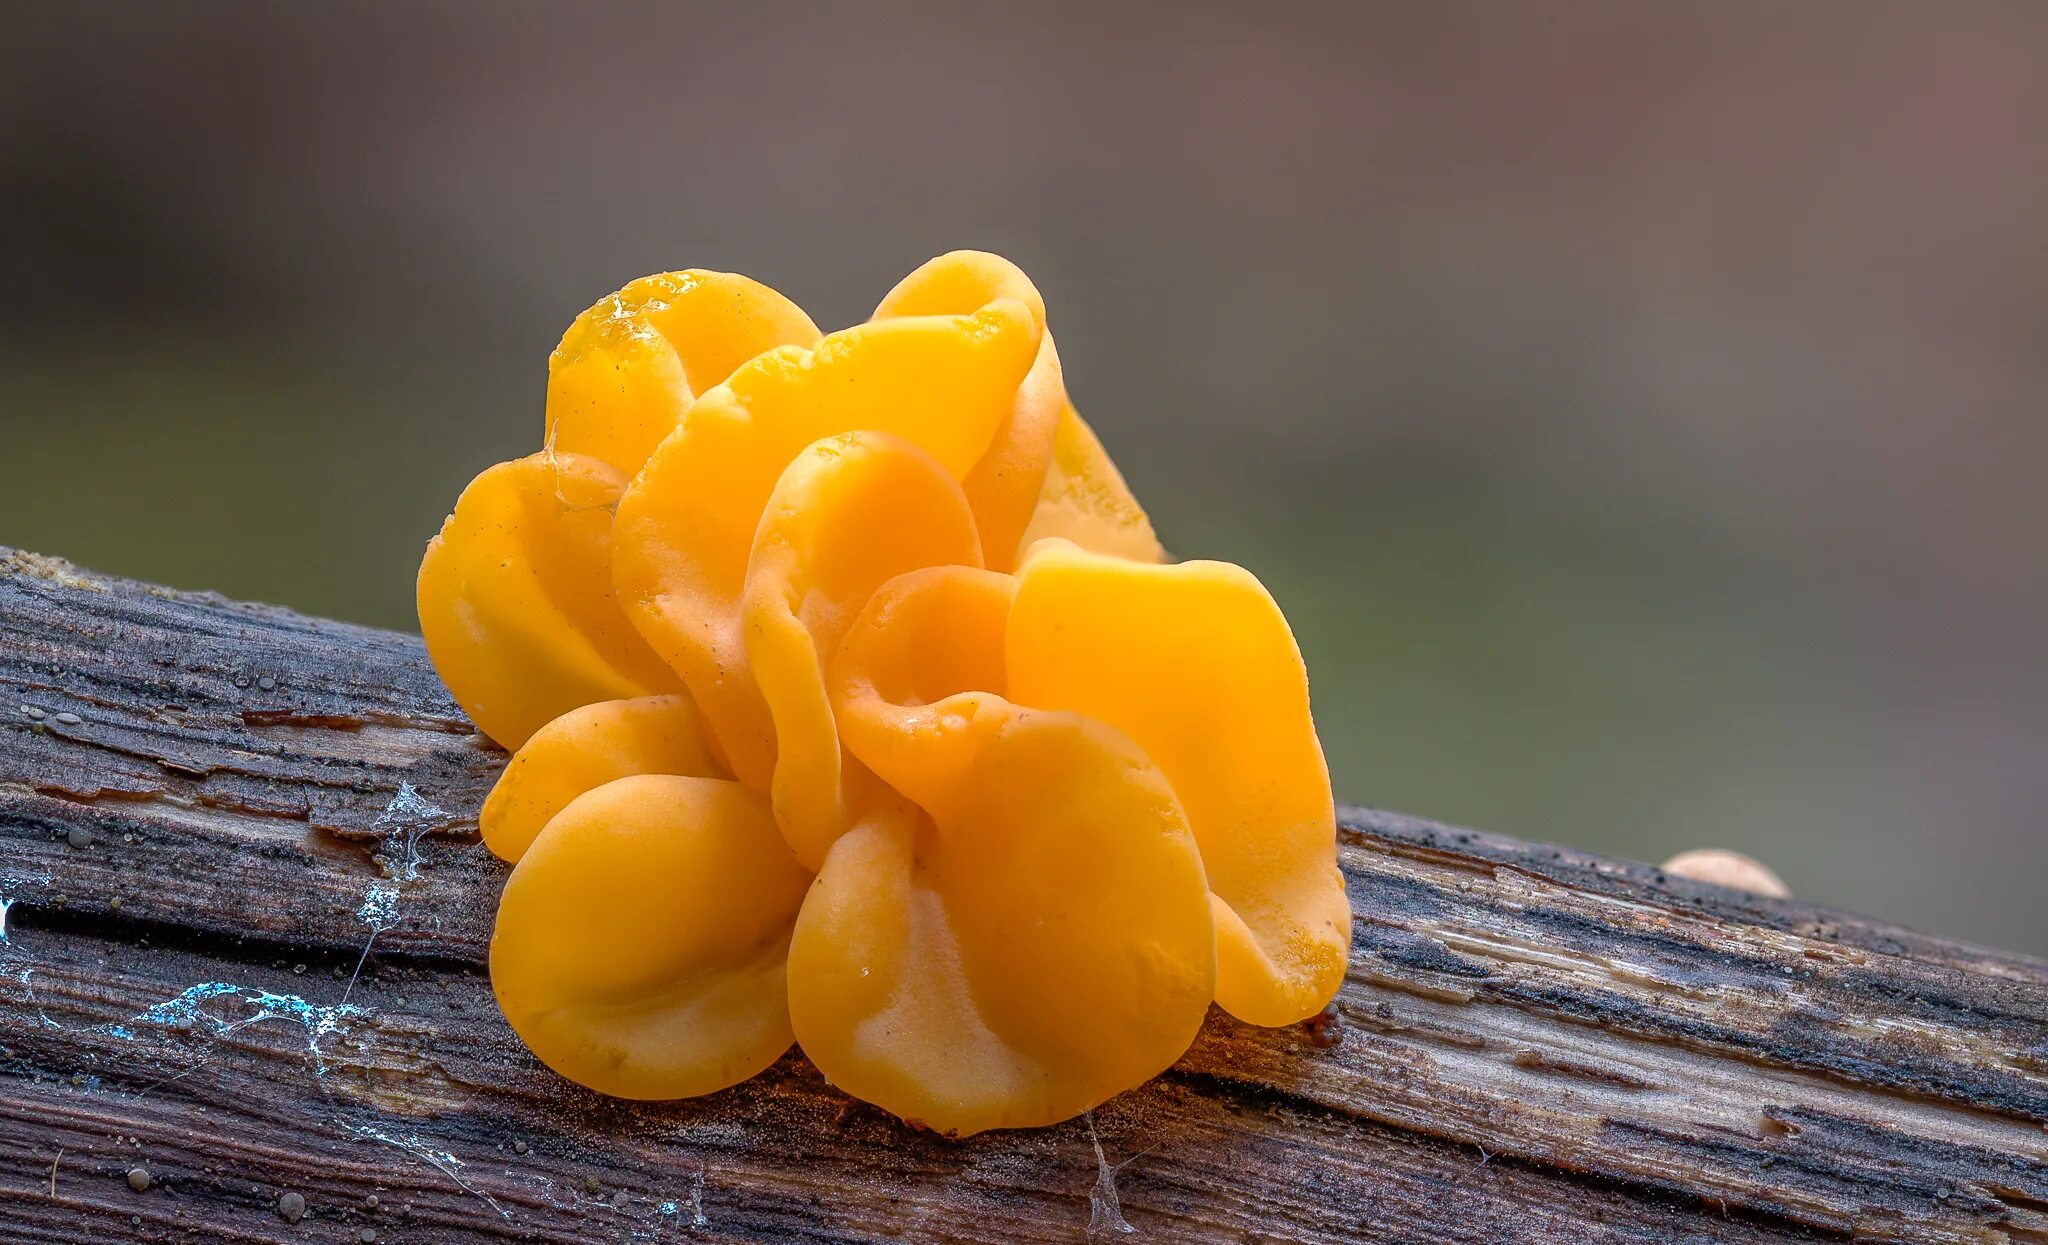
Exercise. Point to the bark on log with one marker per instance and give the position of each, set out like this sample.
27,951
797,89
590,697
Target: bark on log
208,811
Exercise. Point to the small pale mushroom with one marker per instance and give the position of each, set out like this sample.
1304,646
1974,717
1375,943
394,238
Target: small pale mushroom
1731,869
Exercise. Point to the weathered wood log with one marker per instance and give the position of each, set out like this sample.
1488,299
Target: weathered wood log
211,814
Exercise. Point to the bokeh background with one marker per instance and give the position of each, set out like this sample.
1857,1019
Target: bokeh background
1640,410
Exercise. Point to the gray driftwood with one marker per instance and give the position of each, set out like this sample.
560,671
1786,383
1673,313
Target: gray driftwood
208,809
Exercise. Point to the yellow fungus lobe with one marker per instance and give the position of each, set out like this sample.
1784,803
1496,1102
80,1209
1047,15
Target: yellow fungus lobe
849,514
584,749
515,598
1045,945
1195,663
686,526
629,367
642,939
855,704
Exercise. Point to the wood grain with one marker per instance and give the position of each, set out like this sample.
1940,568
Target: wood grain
203,805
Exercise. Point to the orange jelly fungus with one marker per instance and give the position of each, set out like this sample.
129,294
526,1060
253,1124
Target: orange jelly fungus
855,704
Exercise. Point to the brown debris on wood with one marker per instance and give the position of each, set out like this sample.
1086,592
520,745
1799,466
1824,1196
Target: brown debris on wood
208,810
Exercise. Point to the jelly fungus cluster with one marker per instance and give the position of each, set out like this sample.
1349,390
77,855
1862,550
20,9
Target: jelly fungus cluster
856,705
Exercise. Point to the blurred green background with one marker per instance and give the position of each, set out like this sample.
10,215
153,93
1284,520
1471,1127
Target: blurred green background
1641,410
